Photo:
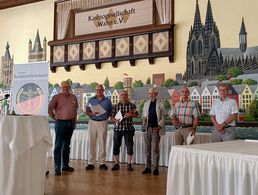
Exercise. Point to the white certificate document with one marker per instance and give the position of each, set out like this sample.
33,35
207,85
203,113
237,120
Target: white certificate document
98,108
189,138
119,115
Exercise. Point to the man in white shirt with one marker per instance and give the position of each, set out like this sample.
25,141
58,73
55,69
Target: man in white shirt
223,114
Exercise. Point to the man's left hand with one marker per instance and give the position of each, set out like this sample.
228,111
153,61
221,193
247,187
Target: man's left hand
156,128
193,131
128,115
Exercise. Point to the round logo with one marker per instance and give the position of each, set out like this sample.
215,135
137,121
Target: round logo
29,99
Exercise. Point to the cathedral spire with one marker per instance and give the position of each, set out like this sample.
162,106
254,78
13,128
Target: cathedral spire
242,29
197,18
7,55
37,44
209,18
242,37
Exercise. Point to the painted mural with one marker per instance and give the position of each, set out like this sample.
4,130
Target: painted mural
206,62
205,57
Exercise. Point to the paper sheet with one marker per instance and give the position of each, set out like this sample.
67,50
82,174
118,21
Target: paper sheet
189,138
98,108
119,115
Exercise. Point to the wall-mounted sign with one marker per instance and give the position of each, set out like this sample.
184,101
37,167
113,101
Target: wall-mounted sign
114,18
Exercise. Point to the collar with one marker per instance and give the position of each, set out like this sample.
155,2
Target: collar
184,101
98,99
224,99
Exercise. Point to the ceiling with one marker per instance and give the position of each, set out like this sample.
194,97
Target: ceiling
12,3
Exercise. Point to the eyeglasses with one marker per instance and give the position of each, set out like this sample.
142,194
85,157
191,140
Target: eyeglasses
223,89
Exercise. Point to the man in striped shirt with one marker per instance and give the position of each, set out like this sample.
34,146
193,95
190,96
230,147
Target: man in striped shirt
185,116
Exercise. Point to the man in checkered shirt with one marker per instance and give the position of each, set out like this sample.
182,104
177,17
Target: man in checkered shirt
185,117
123,128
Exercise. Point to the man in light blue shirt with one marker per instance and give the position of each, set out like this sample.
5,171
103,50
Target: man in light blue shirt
98,109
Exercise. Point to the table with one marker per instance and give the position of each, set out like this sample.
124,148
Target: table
24,141
79,146
227,168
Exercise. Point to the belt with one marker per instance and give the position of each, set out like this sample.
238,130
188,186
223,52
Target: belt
184,126
65,120
227,126
98,120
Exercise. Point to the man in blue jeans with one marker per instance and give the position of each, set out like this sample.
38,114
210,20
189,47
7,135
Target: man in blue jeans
63,109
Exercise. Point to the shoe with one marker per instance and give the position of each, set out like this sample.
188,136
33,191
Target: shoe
115,167
89,167
103,167
47,173
156,172
67,169
57,173
146,171
129,167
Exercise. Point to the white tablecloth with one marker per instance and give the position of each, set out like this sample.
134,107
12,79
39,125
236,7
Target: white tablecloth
79,146
228,168
24,141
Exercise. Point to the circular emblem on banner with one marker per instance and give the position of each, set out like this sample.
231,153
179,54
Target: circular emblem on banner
29,99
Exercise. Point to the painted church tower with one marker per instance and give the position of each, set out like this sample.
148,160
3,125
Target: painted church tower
6,69
242,37
37,53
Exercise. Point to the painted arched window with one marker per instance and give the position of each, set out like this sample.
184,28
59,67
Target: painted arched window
213,42
192,68
199,47
193,48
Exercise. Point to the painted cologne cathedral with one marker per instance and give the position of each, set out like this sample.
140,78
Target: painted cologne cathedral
37,53
205,58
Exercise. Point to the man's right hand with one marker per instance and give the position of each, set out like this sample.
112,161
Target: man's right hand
94,114
220,128
175,122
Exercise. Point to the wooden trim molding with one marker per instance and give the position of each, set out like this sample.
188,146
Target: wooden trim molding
4,4
159,42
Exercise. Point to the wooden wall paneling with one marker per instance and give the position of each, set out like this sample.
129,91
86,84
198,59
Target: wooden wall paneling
55,22
114,62
131,60
4,4
52,68
111,34
171,45
66,67
114,55
150,45
97,62
81,65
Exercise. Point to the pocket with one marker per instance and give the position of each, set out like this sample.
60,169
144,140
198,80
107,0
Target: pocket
105,124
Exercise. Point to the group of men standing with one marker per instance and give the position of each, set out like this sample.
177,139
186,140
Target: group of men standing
185,114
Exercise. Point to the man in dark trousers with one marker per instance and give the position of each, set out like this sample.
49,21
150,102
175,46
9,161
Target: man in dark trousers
153,117
63,109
